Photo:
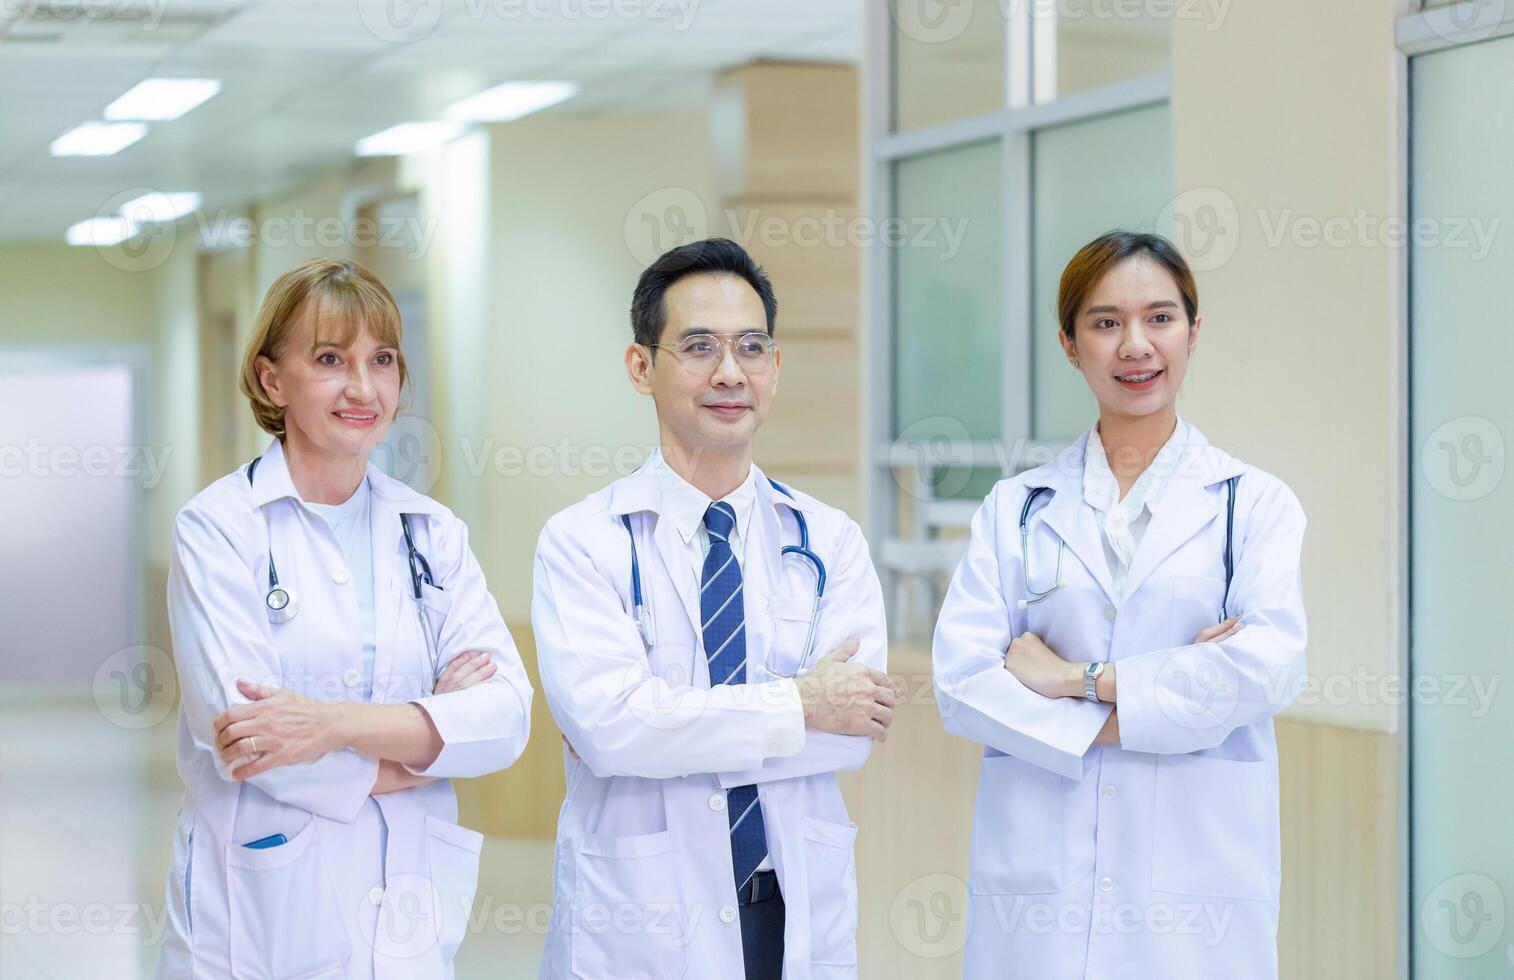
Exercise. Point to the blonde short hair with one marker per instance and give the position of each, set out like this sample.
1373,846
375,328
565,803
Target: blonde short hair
343,296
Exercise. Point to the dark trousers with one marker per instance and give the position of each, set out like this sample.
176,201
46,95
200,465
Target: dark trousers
762,939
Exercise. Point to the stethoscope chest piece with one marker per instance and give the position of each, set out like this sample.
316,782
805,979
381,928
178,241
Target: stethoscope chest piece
282,604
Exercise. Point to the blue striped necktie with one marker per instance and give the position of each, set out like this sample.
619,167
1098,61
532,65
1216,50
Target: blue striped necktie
724,616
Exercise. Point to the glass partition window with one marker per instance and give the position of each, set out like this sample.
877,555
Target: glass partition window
949,60
947,286
1097,43
1461,512
955,59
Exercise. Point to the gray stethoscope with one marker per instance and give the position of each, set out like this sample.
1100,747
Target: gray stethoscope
1041,596
802,550
282,603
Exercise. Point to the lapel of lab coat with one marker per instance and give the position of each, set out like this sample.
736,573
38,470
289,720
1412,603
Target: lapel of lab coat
392,596
1184,507
641,492
1076,523
763,556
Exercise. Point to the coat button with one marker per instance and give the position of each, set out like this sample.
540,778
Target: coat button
728,914
375,895
1109,612
1106,884
340,576
351,677
717,801
1109,792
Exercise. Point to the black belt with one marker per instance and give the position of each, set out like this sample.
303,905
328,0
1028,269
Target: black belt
762,888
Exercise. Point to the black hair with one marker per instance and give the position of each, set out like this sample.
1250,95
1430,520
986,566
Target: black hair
717,256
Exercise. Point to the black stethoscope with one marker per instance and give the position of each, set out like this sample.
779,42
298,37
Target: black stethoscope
1041,596
801,550
283,604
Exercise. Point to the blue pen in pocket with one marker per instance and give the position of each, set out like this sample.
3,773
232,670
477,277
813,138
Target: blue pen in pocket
273,840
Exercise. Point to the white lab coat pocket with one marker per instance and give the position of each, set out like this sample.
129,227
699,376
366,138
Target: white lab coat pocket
831,870
453,851
1017,846
1215,830
789,621
1196,602
628,909
285,923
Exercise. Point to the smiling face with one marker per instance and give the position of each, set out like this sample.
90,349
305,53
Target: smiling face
1132,339
339,388
703,407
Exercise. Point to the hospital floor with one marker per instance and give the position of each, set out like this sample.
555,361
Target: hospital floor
86,824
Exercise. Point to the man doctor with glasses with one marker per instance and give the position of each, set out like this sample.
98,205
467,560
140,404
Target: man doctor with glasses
705,700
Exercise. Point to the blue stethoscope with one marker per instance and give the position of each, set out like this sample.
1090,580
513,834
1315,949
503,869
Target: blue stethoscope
282,603
801,550
1041,596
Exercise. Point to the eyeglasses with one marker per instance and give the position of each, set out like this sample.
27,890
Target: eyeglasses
701,353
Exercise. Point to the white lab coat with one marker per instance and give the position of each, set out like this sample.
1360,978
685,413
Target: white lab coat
1160,857
365,887
644,885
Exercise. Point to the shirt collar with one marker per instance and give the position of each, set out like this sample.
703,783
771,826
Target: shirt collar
1101,489
684,504
273,482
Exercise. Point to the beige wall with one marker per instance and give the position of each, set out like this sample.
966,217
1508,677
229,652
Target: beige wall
1286,149
1315,133
559,279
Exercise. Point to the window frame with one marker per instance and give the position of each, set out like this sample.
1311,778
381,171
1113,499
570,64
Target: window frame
1013,127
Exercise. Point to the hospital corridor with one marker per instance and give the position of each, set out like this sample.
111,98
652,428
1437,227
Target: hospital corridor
809,489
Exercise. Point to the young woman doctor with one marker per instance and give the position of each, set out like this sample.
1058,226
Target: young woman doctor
320,723
1123,627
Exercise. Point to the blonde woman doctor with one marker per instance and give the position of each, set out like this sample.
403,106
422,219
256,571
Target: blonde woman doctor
1123,627
320,724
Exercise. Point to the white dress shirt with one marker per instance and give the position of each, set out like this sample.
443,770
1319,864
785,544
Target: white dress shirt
351,523
685,504
1124,519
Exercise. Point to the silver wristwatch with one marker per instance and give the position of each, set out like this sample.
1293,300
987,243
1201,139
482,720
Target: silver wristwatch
1091,673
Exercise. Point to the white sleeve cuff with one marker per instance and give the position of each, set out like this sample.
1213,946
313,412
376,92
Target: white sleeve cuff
785,722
